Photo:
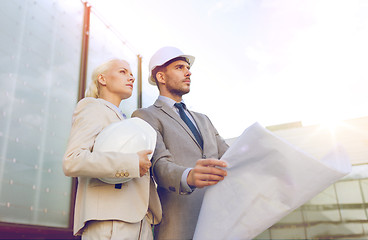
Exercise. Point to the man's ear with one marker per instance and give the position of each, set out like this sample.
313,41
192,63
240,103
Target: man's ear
160,76
101,80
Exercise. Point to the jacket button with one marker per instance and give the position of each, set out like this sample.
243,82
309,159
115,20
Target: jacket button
117,174
126,174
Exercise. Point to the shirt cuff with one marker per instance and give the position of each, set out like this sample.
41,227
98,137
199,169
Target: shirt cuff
184,187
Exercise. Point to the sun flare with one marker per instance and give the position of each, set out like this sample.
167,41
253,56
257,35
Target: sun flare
331,124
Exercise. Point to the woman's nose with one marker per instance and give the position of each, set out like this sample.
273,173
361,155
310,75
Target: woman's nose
132,79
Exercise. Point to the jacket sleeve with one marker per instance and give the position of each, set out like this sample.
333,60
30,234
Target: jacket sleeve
222,146
89,119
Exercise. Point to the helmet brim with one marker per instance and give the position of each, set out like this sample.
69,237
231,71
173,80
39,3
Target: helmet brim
151,79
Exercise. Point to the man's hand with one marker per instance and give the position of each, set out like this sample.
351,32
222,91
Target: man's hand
206,173
144,162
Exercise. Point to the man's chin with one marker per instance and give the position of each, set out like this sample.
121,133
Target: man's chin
186,91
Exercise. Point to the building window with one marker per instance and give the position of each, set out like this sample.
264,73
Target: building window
39,78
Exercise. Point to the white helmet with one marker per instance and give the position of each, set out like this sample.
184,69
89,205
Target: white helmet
129,136
164,55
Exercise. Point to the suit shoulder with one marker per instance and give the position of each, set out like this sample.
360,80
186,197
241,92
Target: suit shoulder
144,111
89,109
148,114
200,115
147,109
87,102
90,103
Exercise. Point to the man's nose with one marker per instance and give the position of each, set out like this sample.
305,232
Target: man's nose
188,73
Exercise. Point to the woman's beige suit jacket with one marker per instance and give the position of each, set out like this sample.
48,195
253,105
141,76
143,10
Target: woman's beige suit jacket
96,200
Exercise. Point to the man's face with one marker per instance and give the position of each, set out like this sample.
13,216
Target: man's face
177,78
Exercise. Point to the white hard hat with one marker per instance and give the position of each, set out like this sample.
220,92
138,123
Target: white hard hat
162,56
128,136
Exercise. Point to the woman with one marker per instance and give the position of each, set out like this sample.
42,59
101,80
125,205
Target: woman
107,211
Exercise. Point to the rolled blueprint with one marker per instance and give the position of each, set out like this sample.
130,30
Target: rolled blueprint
267,179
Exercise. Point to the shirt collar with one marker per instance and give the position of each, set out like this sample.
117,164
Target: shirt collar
168,101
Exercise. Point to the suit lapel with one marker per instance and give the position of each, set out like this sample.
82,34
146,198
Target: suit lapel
112,108
167,110
199,124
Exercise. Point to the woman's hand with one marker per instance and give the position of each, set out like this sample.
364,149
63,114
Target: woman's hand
144,162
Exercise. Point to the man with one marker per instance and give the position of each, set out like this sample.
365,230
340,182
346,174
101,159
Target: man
185,160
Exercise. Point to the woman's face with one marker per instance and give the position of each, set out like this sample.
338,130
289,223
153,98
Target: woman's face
119,79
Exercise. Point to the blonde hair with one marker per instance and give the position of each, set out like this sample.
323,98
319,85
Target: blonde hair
94,86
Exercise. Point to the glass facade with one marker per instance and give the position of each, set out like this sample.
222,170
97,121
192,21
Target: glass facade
104,45
40,49
339,212
40,55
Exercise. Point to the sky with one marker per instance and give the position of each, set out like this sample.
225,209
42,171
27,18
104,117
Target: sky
265,61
